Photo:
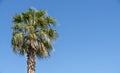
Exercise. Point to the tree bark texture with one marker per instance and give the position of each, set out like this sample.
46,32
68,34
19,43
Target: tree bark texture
31,61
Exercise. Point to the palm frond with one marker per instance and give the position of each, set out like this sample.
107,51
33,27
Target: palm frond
50,20
33,29
17,18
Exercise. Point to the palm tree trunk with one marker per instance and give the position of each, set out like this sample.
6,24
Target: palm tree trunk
31,61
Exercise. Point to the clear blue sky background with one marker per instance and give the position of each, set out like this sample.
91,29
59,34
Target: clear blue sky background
89,36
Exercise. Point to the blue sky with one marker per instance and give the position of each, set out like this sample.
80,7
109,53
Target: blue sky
89,36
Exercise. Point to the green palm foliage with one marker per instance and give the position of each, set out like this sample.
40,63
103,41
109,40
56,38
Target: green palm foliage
33,30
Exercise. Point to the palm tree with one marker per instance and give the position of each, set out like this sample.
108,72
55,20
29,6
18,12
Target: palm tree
33,34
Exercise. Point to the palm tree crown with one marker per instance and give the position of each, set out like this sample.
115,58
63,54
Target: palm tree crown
33,29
